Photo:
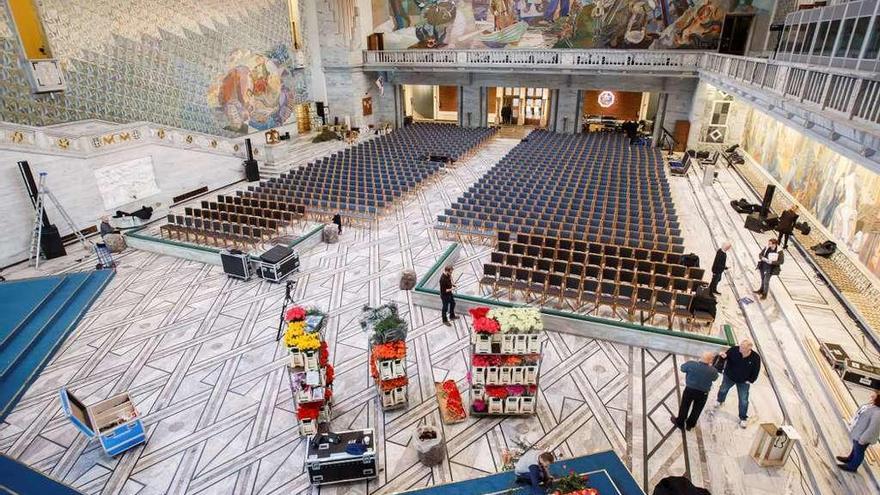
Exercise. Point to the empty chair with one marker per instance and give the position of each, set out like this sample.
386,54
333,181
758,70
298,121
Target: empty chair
489,278
681,307
663,305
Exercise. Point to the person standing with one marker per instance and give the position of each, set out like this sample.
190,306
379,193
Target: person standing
533,468
699,376
770,263
337,219
719,265
741,368
864,429
447,297
786,224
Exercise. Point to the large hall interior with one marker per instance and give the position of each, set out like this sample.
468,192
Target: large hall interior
377,247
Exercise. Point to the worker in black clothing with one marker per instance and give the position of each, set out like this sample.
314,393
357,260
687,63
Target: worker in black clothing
338,221
742,365
785,227
446,296
718,267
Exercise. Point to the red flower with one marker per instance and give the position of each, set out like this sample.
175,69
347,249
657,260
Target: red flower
394,383
323,354
328,394
486,325
390,350
497,392
478,312
296,313
329,374
309,410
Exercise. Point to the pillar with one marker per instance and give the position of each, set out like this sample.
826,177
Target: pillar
659,118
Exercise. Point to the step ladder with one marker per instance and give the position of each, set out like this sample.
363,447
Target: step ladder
44,193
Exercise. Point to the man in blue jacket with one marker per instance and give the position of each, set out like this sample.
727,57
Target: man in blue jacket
741,368
699,376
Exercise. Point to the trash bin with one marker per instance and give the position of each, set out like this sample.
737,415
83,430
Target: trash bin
429,445
407,280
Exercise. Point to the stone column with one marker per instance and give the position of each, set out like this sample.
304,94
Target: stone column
566,110
658,119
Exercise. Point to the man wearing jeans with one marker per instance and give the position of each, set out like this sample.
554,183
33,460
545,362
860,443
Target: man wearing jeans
741,368
532,468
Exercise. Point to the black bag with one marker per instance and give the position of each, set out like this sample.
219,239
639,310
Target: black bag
718,363
804,227
825,249
741,205
678,485
690,260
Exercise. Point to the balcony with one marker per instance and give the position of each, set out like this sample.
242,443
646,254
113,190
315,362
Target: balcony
672,62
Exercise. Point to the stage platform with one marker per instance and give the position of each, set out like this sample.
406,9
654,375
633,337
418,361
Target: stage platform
605,470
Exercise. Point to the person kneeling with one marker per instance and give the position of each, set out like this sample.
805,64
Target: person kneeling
533,469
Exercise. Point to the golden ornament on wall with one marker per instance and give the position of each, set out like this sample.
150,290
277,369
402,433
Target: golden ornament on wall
235,148
63,143
272,137
17,137
213,143
161,133
189,139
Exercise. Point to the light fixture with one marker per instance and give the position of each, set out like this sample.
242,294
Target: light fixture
606,99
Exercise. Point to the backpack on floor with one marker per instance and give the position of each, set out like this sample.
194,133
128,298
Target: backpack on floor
825,249
690,260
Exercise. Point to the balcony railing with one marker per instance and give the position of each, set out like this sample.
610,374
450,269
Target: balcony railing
616,60
851,95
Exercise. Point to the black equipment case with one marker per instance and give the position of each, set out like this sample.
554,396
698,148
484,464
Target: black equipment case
862,374
277,263
351,458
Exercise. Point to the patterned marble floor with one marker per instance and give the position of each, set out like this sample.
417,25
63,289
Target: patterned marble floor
197,353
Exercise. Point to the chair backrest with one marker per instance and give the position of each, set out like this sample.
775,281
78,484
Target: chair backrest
683,301
663,298
522,275
490,269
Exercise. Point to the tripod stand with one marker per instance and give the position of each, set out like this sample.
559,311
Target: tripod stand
289,288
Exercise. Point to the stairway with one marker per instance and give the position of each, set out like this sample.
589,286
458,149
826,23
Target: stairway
36,315
300,152
18,478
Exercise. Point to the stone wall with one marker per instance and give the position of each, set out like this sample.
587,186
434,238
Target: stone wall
161,61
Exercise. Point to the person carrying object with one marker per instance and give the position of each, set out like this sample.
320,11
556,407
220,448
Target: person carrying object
447,296
534,468
769,264
741,367
787,221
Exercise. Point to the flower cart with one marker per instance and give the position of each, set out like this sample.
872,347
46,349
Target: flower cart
309,371
505,360
387,336
450,403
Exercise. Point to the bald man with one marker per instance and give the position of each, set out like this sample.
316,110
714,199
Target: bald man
742,365
719,265
699,376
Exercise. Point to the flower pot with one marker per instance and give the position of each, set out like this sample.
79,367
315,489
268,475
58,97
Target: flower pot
428,442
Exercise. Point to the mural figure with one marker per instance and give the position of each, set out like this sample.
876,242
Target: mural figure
841,194
478,24
255,91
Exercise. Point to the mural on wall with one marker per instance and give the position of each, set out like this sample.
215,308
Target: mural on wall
841,194
156,64
479,24
255,90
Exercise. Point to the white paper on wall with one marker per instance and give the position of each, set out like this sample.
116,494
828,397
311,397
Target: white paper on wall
126,182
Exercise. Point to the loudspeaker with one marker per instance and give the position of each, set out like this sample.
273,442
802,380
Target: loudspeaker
319,108
50,242
249,149
768,198
251,170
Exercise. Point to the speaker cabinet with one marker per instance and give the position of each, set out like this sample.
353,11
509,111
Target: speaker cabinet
50,242
251,170
768,198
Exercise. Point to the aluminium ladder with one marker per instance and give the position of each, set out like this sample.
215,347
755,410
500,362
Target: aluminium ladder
43,192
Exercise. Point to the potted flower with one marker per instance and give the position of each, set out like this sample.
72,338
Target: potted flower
573,484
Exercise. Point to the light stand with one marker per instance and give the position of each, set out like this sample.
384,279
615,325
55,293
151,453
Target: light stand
289,287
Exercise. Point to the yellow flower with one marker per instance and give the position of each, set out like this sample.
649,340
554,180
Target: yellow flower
304,342
294,330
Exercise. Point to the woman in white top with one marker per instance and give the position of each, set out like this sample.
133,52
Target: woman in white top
864,429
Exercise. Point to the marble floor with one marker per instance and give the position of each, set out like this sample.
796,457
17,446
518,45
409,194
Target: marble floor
197,352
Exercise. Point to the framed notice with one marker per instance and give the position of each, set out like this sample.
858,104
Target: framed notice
367,104
126,182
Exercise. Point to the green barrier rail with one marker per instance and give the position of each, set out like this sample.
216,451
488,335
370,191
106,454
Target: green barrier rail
727,340
135,232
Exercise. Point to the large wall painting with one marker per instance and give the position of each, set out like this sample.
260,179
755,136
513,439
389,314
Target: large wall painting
480,24
840,193
256,90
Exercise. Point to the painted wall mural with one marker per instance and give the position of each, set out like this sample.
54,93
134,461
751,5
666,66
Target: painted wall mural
158,63
480,24
840,193
256,90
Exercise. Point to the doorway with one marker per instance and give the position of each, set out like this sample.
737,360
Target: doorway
518,106
424,103
735,34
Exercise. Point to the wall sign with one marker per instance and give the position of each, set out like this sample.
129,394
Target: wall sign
606,99
126,182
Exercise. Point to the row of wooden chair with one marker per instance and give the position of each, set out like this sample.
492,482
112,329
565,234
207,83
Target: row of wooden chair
213,232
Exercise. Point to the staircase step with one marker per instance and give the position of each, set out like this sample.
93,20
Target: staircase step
20,300
19,478
26,356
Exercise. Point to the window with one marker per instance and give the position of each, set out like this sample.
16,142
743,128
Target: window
874,42
858,37
799,40
785,41
829,40
820,38
808,39
845,35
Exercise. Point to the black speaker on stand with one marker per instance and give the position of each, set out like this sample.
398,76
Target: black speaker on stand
768,198
763,220
251,170
50,239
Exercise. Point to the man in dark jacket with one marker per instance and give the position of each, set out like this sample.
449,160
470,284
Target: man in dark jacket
741,368
786,224
337,219
769,264
718,267
699,376
447,297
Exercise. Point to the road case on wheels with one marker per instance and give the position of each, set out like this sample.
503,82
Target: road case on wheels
277,263
341,457
236,264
